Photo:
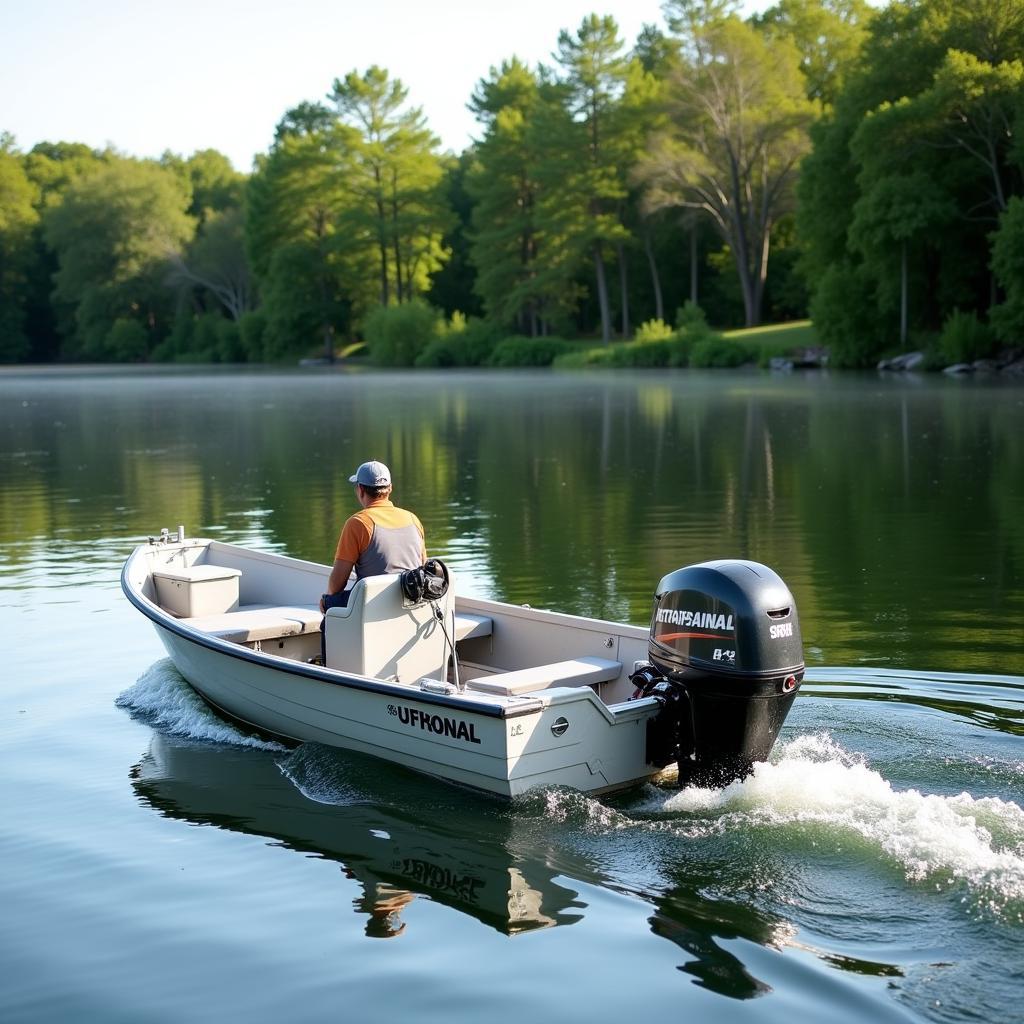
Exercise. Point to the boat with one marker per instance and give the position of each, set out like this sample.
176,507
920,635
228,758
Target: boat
499,697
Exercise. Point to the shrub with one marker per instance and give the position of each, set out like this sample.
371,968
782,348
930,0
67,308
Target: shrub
251,327
671,351
205,339
456,325
396,335
127,340
179,339
652,330
441,352
965,338
471,345
647,354
1008,321
718,352
582,357
519,351
690,317
1008,264
228,343
845,314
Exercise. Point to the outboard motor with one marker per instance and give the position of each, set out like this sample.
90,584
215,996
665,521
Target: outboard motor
726,661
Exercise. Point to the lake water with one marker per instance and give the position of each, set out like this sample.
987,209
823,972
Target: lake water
159,865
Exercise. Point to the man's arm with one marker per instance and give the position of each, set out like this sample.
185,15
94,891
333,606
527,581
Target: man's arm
338,578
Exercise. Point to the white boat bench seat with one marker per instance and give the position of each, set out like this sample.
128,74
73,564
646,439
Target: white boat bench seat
468,627
577,672
259,622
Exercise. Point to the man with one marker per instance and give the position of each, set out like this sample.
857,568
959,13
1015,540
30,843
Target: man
380,538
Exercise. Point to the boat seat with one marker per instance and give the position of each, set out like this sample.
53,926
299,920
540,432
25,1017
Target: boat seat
468,627
577,672
258,622
378,634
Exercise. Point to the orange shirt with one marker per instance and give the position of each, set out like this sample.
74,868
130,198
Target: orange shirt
358,530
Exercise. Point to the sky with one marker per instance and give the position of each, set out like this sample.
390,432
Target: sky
144,77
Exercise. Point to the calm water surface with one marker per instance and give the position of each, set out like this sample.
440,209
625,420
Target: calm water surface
159,865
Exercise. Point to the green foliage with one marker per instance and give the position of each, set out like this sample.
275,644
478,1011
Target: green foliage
516,351
567,207
114,234
453,286
215,186
845,317
1008,266
502,183
720,352
690,318
470,346
394,215
738,118
829,35
586,146
653,330
397,335
309,279
251,328
965,338
911,171
205,338
127,341
216,266
18,218
673,351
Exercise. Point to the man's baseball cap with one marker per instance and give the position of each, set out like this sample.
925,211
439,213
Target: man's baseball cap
371,474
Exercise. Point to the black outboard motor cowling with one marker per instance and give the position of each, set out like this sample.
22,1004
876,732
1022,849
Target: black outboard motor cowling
728,660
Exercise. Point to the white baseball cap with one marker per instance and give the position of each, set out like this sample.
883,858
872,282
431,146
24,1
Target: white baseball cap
371,474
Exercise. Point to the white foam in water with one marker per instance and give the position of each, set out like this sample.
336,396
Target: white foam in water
975,841
166,701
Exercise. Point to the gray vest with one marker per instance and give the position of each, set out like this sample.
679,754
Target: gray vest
391,549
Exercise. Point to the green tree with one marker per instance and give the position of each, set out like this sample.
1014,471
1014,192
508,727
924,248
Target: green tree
584,178
114,234
453,287
393,176
295,201
217,263
637,116
51,167
503,185
55,166
913,167
213,182
891,214
829,35
738,123
18,217
1008,264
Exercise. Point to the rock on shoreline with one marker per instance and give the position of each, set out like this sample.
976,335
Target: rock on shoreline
1010,361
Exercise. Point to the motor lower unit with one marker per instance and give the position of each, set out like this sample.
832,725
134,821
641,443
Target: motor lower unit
726,661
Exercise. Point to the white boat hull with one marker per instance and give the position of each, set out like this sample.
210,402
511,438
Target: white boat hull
501,743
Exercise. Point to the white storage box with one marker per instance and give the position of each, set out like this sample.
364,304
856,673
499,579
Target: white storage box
197,590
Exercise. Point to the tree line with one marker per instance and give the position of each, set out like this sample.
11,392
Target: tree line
827,157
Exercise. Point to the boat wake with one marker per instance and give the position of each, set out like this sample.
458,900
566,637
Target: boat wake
813,793
162,699
837,801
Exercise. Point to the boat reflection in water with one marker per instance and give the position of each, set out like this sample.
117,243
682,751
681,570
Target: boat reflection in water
452,847
403,836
